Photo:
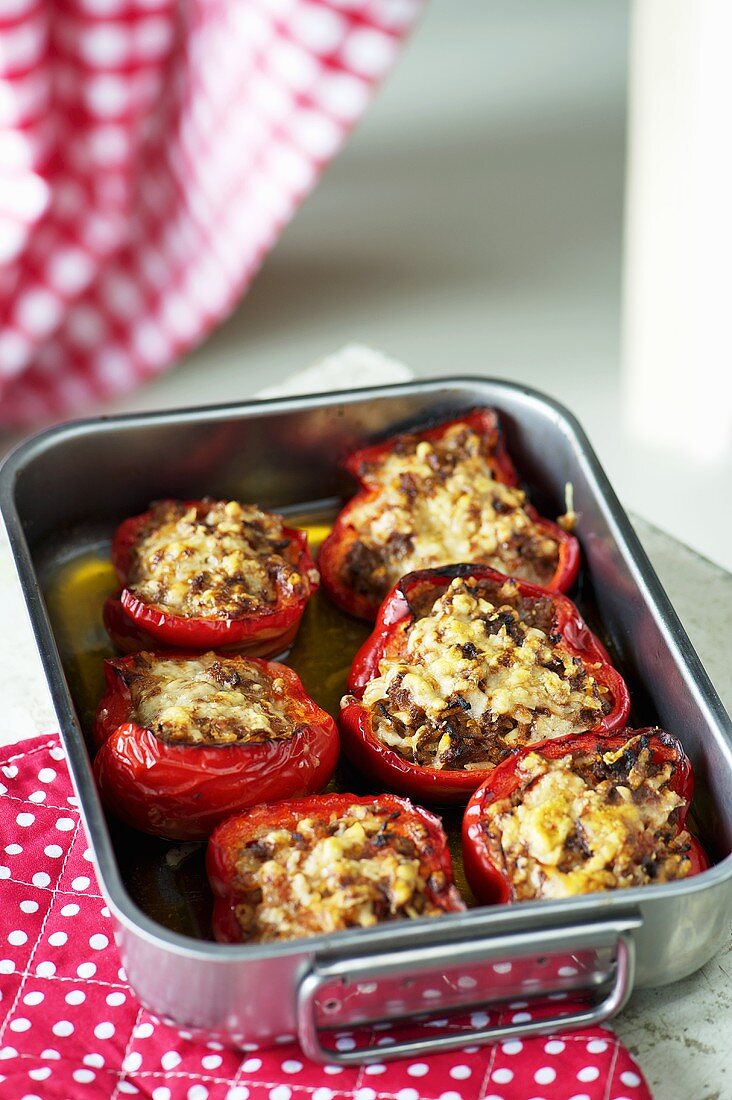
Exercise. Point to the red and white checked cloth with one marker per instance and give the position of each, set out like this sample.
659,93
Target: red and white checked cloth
151,152
71,1029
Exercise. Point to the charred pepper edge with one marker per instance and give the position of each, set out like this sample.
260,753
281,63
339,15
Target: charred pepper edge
395,608
488,882
336,546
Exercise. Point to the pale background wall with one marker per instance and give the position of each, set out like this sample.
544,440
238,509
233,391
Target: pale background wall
474,223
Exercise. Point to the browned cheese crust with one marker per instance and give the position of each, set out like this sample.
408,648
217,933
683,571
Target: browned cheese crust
438,503
353,870
208,700
477,674
226,562
597,822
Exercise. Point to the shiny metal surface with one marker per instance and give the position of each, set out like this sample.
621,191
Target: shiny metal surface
284,454
323,991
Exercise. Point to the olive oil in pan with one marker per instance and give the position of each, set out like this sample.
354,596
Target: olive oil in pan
75,591
328,639
165,879
76,587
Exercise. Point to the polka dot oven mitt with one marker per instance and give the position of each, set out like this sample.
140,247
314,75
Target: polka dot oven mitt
70,1025
151,151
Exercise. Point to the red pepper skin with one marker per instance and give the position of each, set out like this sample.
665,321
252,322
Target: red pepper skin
387,767
182,792
129,635
488,882
228,839
134,625
334,550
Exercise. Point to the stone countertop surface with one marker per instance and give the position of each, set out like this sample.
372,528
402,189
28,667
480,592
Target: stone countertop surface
676,1031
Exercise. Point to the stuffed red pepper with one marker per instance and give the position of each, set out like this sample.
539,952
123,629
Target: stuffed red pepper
188,740
431,498
582,814
209,574
323,864
464,667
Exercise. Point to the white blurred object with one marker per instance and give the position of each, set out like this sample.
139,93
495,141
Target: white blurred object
678,262
352,366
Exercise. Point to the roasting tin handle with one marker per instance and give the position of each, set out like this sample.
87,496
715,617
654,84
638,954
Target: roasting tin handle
545,964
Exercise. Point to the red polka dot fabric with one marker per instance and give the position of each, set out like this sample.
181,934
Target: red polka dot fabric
151,152
71,1027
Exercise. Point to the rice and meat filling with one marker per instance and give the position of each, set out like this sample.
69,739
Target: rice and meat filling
208,700
438,502
222,560
578,825
477,674
352,870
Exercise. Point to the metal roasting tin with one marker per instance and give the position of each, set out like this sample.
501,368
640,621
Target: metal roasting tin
62,494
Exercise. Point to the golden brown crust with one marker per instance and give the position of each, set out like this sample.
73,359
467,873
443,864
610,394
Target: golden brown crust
581,824
477,674
436,503
208,700
225,560
351,870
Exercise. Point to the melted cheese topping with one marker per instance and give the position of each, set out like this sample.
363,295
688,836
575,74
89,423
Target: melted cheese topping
208,700
472,679
438,503
569,831
325,875
221,560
